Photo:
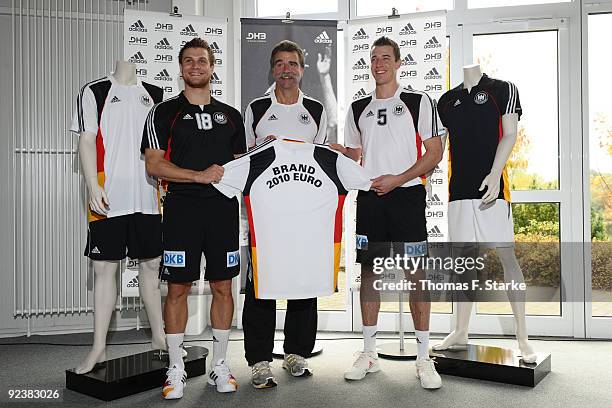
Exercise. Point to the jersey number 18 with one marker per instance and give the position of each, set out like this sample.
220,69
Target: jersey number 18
204,121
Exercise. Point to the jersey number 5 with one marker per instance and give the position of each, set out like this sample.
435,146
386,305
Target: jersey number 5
204,121
382,117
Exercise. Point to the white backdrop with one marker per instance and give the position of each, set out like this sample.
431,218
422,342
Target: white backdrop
152,41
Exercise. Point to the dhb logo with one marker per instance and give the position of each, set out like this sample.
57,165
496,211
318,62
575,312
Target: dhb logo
408,74
214,31
137,40
361,47
163,58
256,36
163,27
384,30
415,248
216,92
433,88
408,43
233,259
433,25
174,258
361,77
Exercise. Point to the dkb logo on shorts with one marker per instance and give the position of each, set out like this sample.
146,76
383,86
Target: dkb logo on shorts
233,259
174,258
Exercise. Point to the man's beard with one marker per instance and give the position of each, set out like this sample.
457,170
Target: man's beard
198,84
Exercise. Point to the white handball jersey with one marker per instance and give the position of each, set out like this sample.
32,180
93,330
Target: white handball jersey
294,193
391,131
304,120
116,114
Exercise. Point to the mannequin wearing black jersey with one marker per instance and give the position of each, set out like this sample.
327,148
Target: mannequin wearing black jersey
512,270
105,288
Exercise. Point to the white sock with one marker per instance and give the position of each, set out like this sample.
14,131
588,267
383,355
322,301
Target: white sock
369,338
422,340
220,340
175,350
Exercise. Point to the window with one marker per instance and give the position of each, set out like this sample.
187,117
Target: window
503,3
534,164
382,7
600,157
268,8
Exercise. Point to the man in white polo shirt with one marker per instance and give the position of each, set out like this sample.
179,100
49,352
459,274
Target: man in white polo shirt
284,113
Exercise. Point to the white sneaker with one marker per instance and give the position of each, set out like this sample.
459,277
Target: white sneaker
175,383
221,376
366,362
426,372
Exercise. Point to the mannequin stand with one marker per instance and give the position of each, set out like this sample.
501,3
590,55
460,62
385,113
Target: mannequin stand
130,375
491,364
395,351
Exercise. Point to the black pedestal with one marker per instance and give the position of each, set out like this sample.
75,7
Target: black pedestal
492,364
132,374
279,352
392,351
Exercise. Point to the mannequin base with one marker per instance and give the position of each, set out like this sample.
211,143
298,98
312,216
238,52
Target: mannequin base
392,351
279,351
492,364
130,375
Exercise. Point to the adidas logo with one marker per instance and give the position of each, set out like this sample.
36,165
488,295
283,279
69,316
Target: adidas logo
188,116
115,99
457,103
273,117
189,31
409,87
433,74
360,64
138,58
370,113
433,43
434,232
95,250
163,76
435,200
215,48
360,94
138,26
407,30
133,283
360,35
408,60
214,78
163,44
323,38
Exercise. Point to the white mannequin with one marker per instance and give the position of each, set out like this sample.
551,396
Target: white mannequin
512,270
105,287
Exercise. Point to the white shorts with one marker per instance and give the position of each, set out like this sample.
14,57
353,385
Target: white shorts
469,222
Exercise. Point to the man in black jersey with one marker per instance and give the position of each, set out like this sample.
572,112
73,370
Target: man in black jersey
186,140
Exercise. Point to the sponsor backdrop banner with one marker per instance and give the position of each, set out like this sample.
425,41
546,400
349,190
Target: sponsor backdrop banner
422,41
318,39
153,40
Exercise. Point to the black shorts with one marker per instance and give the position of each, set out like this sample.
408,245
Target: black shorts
396,219
194,225
135,235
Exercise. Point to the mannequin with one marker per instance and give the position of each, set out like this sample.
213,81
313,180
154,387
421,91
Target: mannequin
512,271
105,288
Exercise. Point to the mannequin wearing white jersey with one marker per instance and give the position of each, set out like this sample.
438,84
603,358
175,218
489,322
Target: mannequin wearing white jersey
105,287
512,271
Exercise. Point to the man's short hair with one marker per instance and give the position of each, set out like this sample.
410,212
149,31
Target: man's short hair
288,46
387,41
197,43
